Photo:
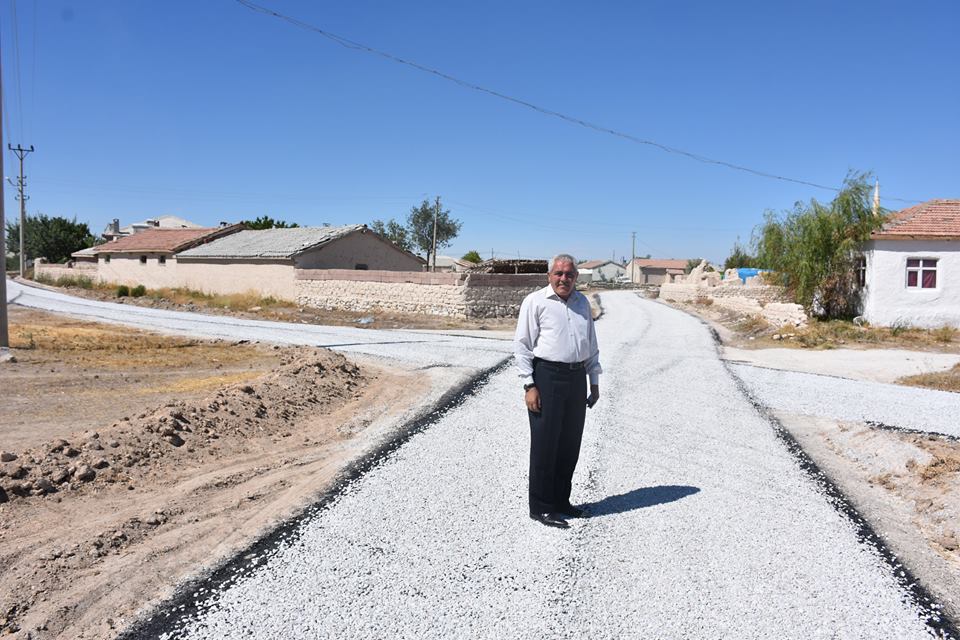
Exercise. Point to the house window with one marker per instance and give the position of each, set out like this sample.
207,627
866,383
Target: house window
360,267
161,259
106,258
143,259
921,273
862,272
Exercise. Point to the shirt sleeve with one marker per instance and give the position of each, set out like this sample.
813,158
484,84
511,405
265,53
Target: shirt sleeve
525,339
593,362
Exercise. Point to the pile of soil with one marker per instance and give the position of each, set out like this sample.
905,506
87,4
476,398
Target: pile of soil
128,451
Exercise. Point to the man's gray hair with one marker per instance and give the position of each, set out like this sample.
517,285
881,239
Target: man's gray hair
562,257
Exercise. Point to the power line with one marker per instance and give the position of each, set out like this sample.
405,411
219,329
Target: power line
351,44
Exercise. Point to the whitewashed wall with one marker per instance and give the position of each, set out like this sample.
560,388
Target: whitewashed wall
888,301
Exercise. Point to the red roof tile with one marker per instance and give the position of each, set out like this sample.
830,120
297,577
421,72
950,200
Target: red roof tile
931,219
592,264
163,240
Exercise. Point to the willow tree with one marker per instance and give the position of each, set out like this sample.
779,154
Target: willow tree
814,248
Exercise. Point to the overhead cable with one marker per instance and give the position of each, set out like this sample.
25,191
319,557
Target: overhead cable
350,44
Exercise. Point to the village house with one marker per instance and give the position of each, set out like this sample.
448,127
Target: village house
601,271
267,260
656,271
147,257
449,264
910,272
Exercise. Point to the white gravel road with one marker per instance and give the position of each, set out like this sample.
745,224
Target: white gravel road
418,349
842,399
704,525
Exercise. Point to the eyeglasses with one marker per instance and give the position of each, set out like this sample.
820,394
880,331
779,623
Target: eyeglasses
569,274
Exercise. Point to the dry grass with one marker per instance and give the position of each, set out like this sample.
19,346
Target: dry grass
61,339
942,380
752,325
829,334
233,302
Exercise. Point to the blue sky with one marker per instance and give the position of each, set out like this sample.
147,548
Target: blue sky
211,111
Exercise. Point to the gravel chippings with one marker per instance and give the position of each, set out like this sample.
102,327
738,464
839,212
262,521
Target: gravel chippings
704,525
843,399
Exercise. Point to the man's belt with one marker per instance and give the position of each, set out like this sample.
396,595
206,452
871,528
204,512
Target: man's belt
567,366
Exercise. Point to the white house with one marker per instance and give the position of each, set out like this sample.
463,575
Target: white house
911,269
601,270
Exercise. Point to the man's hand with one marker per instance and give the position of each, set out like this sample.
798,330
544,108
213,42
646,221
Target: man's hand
594,395
532,398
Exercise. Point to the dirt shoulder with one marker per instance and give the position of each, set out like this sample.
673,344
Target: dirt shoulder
121,495
906,485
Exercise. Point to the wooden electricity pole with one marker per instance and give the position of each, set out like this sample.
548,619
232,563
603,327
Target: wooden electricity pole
633,254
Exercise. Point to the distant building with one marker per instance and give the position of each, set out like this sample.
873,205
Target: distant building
457,265
602,270
114,230
655,270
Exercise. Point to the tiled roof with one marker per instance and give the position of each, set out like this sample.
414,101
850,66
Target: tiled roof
270,243
160,240
931,219
661,264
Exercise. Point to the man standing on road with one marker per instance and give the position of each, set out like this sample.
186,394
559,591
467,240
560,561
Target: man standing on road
556,349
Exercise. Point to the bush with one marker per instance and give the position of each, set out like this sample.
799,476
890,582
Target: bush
123,291
944,334
138,291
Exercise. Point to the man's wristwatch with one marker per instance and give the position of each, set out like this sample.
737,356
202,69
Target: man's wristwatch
527,387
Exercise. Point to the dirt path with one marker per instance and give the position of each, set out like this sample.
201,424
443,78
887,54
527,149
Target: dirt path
98,522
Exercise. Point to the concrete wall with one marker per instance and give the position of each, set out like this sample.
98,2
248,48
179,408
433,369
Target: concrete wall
888,301
359,248
445,294
127,269
266,277
56,271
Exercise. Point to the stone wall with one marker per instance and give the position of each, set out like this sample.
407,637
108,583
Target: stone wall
456,295
752,299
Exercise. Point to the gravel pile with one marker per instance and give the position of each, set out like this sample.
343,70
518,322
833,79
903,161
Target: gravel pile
843,399
704,525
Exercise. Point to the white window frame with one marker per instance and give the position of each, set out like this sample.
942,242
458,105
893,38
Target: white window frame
925,264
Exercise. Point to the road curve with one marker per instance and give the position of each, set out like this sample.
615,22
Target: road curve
415,348
706,525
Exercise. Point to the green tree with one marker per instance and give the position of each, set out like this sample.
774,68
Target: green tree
739,258
52,238
814,247
472,256
266,222
394,232
420,226
692,264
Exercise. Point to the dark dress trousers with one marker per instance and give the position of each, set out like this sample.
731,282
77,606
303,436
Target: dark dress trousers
555,433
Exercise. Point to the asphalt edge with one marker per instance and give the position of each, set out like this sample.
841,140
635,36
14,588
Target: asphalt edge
192,596
930,609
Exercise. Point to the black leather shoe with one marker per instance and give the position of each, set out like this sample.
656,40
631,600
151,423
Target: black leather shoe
551,520
574,512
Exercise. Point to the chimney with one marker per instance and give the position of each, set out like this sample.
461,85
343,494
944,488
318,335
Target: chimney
876,199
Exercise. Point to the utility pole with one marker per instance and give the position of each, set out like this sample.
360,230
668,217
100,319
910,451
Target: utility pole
633,254
436,216
21,183
4,334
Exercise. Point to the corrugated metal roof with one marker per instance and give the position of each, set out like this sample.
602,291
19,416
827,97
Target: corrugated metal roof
270,243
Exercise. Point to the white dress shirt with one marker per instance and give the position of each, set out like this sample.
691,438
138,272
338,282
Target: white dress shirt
550,328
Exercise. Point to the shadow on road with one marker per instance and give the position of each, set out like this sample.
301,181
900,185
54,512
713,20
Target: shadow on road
638,499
